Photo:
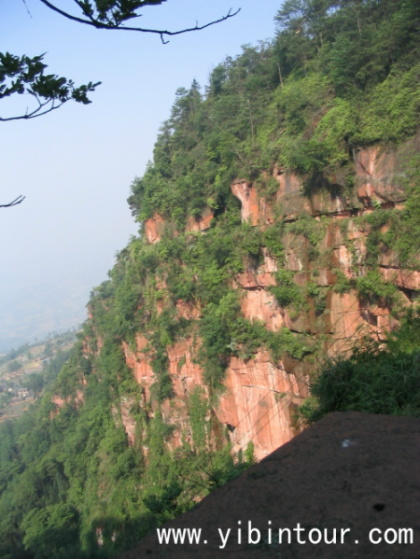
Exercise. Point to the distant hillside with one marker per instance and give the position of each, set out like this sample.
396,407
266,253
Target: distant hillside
26,371
56,304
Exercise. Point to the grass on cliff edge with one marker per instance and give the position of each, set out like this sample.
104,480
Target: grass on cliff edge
378,378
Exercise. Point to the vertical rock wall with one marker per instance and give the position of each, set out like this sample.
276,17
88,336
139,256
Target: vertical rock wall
260,397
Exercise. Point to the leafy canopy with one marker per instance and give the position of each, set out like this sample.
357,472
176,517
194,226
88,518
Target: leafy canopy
26,75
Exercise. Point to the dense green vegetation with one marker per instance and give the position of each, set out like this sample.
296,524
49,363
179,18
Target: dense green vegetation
68,480
339,75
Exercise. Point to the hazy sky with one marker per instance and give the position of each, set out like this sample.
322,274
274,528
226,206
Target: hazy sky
75,165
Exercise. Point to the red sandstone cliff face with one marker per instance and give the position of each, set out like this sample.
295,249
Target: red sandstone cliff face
260,396
258,404
154,226
379,176
77,400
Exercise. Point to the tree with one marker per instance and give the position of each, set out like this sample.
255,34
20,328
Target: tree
36,383
14,366
26,75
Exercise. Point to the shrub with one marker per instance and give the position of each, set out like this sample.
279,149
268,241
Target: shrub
373,380
373,288
286,291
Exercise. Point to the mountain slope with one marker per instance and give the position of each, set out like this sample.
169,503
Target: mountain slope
279,225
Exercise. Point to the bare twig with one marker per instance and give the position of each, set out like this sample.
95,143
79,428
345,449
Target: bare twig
15,202
100,25
35,113
27,9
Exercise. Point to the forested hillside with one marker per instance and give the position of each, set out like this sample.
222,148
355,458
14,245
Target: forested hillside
279,224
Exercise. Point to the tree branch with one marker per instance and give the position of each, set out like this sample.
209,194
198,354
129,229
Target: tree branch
35,113
27,9
101,25
19,75
15,202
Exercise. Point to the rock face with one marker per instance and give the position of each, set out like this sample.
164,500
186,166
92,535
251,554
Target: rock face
258,403
153,228
326,244
353,473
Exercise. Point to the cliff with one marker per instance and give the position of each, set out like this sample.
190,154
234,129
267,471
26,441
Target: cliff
326,240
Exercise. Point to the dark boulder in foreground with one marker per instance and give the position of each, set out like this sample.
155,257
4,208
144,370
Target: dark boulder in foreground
351,477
